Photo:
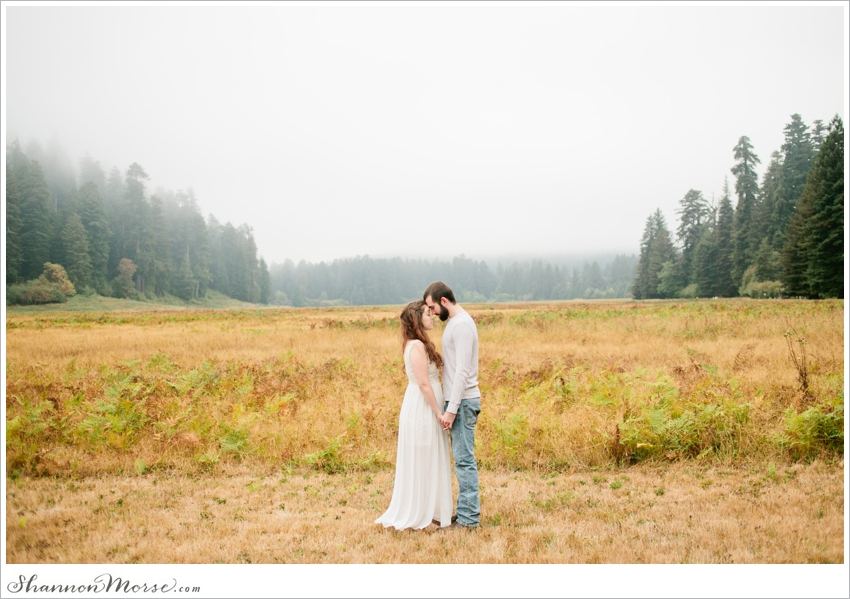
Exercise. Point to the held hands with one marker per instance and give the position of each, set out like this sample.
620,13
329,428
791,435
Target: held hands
446,420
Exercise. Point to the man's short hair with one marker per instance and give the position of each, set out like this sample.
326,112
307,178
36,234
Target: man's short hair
438,290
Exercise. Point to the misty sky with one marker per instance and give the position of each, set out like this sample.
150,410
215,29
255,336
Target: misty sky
424,130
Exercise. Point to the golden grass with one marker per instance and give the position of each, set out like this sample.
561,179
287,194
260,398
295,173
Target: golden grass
190,389
656,514
168,411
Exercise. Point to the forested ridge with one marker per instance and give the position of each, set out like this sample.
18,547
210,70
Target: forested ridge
114,238
784,237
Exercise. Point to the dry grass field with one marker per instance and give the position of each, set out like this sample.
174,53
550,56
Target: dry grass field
611,432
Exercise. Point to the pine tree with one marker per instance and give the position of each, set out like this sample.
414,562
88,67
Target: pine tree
59,219
767,263
234,263
824,192
135,225
773,219
746,235
706,266
813,255
14,253
76,251
694,214
15,158
724,285
593,281
35,220
157,246
664,275
795,261
185,283
819,133
218,272
265,283
656,250
190,235
798,153
59,174
93,216
114,195
113,202
641,288
90,171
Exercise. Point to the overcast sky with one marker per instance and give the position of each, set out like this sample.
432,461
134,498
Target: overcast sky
424,130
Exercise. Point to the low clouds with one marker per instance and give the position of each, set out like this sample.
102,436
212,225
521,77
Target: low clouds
408,130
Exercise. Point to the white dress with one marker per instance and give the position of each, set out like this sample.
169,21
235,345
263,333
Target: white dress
423,481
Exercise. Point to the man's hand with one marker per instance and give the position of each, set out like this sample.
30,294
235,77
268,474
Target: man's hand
446,420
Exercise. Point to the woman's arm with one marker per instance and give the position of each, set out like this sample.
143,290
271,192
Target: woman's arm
419,361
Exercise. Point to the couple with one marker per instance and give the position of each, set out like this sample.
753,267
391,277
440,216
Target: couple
422,492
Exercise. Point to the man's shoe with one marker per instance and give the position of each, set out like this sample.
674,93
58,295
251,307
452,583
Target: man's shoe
458,525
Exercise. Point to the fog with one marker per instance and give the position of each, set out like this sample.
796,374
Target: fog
424,130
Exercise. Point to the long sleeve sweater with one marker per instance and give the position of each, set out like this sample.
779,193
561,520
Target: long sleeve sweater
460,361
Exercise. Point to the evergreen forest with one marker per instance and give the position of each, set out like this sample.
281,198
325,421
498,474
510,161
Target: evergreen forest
783,238
93,232
79,229
367,281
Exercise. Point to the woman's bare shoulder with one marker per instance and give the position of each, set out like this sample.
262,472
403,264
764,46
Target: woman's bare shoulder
417,349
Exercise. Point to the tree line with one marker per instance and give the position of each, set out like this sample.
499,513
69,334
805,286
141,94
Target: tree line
80,229
111,237
784,237
368,281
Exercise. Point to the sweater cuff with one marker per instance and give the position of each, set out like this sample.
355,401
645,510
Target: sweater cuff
453,407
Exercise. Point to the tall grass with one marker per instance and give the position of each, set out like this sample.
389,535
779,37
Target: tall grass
564,386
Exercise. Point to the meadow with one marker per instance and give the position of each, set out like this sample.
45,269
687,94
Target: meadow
613,432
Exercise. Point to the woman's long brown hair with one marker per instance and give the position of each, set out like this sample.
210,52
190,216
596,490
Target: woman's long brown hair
411,328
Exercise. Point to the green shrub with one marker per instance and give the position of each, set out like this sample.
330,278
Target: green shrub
116,419
819,427
691,291
55,275
686,428
234,441
511,436
762,289
14,293
27,430
52,287
329,459
41,292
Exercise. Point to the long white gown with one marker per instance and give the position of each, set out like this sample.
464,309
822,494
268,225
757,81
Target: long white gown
423,481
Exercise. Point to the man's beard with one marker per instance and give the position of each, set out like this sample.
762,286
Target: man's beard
444,314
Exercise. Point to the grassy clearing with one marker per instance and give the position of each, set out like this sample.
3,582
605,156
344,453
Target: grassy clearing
299,408
679,513
564,386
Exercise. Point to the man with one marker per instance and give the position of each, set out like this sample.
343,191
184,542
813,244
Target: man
461,394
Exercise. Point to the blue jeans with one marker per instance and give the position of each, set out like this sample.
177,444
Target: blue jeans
466,470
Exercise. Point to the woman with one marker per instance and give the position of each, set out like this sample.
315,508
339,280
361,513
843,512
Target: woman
422,491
